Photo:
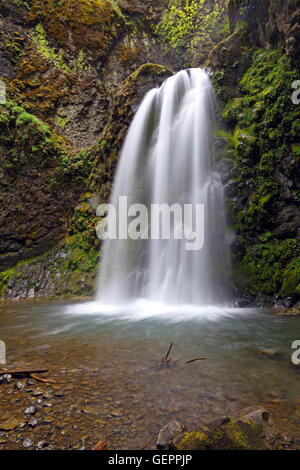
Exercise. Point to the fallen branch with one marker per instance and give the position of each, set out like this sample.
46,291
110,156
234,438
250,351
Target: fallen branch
166,361
41,379
165,358
26,372
196,359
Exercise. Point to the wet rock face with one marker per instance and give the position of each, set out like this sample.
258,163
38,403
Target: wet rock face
270,22
83,68
250,429
48,276
32,219
287,21
64,64
12,31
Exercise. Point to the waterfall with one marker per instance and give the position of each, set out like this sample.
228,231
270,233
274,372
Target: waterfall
167,158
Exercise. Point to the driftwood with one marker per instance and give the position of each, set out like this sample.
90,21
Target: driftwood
195,359
23,372
41,379
167,361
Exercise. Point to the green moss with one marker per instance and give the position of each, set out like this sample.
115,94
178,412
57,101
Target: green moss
193,440
229,436
264,124
82,235
70,276
27,139
50,53
12,44
296,150
62,120
28,142
291,279
191,23
39,38
93,24
150,69
18,3
5,278
238,438
267,267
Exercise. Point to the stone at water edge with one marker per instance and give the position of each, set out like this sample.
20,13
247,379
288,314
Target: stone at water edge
168,434
289,312
270,353
249,429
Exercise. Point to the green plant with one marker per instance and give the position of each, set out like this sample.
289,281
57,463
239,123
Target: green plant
191,20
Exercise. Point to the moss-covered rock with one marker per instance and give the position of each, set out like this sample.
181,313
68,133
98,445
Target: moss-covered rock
264,125
249,429
90,26
40,179
66,271
290,312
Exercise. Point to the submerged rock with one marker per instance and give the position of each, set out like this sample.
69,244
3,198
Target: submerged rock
9,424
249,429
27,443
31,410
42,445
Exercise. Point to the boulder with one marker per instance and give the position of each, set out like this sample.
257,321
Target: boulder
168,434
249,429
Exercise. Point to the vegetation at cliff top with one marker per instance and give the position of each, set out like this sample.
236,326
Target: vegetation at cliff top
191,21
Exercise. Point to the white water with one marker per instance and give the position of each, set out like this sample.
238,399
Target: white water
168,158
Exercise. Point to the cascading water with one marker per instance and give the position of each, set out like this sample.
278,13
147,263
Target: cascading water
167,158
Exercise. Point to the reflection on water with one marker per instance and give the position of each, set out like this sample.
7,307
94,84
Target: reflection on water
105,361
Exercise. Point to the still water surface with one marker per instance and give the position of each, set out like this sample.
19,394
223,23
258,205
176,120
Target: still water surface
105,365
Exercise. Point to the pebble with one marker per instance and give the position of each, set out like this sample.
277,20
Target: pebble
30,410
231,397
32,382
19,385
48,421
27,442
116,413
33,422
42,445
